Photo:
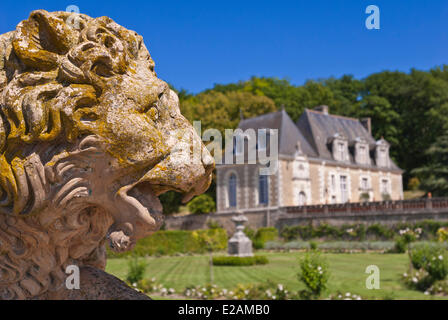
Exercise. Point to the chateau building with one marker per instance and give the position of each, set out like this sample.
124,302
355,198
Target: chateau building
322,159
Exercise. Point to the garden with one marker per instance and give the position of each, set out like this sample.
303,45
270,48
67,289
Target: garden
301,262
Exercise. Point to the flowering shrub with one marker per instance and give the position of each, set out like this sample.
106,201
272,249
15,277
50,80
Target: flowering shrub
438,288
432,259
314,274
207,292
442,234
146,285
344,296
406,237
409,235
418,280
437,267
264,291
431,264
151,286
360,232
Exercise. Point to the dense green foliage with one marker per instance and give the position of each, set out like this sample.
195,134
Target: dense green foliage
239,261
171,202
430,263
136,270
314,274
360,232
202,204
260,236
171,242
410,110
434,174
347,273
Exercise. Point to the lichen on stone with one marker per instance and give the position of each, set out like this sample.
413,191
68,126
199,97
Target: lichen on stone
88,141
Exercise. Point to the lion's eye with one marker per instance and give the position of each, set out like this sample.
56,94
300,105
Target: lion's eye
153,113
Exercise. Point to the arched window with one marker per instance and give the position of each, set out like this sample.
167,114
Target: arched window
263,192
302,198
232,190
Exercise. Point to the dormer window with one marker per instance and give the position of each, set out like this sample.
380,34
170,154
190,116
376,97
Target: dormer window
341,151
362,155
340,148
382,157
382,153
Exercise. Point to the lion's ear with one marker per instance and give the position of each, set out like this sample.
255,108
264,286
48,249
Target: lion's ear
40,40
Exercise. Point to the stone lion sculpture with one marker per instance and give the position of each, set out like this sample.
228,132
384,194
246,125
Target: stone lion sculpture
89,138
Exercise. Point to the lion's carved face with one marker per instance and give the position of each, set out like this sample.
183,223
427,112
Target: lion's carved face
89,138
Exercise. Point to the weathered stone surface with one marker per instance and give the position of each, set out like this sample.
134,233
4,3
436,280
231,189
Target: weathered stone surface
239,244
89,138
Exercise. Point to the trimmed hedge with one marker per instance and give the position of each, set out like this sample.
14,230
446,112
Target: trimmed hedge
239,261
169,242
261,236
359,232
333,246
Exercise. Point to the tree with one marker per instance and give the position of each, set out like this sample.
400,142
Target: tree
385,120
221,111
409,110
171,202
202,204
434,175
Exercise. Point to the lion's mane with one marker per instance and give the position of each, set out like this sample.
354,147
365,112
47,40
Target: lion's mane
49,60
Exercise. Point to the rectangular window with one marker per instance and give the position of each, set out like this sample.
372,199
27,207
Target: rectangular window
263,192
333,183
364,184
341,151
232,190
384,186
382,158
344,189
362,154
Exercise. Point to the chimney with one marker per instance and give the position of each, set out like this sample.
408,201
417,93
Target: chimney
367,123
323,109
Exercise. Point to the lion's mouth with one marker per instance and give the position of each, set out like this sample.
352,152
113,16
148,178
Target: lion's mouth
138,213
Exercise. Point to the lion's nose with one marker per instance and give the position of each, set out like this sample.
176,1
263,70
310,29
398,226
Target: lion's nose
182,174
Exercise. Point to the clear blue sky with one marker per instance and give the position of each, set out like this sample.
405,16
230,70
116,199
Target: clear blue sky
196,44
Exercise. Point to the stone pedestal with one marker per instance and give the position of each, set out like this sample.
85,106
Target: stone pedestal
240,245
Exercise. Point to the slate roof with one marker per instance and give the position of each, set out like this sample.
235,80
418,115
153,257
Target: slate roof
288,132
319,128
314,130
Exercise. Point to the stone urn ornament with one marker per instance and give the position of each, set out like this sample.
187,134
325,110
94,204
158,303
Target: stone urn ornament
89,139
239,244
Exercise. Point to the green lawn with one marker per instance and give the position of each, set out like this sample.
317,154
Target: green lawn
347,273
